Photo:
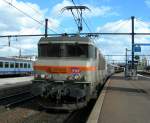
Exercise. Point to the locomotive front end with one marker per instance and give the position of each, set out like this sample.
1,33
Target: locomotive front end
64,70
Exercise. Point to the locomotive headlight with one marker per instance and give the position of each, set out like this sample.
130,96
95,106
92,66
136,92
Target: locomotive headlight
69,78
77,77
42,76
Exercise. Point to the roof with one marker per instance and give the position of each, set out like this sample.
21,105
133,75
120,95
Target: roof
64,38
13,59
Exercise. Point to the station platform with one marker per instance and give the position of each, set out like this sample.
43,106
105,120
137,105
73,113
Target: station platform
15,81
123,101
14,85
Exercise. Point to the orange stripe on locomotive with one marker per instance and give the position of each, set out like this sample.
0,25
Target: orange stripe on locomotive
63,69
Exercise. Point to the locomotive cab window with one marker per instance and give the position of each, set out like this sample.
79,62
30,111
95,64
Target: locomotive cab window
77,50
67,50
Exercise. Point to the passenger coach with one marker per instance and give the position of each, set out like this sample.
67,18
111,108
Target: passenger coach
14,66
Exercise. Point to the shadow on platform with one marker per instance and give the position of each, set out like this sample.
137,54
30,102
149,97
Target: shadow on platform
121,89
117,77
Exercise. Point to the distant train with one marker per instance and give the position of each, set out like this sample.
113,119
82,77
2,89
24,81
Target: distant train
69,72
15,66
118,69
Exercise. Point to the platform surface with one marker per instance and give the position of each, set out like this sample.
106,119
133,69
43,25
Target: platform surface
126,101
15,81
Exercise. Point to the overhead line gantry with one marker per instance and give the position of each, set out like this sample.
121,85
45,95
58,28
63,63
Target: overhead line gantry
96,34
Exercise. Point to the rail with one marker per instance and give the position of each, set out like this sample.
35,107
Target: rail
14,99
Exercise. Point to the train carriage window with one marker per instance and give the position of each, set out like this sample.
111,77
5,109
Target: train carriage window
6,64
29,65
21,65
1,64
16,65
12,65
25,65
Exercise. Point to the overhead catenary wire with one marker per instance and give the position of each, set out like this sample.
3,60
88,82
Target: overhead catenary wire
35,10
119,28
9,3
87,25
90,23
78,13
38,12
42,15
94,41
143,23
84,20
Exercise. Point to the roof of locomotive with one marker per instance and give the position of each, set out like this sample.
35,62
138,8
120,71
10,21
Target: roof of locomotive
65,38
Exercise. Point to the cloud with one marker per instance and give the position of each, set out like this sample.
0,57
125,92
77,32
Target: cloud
99,11
15,22
116,26
147,2
54,23
113,44
95,11
10,51
57,9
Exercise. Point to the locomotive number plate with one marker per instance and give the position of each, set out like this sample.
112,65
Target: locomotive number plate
58,70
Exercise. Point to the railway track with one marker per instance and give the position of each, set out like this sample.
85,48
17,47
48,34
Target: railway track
29,113
14,99
144,73
46,117
26,110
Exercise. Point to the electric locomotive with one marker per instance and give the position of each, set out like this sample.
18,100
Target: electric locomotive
68,72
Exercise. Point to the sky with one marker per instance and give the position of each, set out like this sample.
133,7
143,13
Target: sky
27,17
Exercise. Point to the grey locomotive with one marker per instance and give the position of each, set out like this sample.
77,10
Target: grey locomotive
69,72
